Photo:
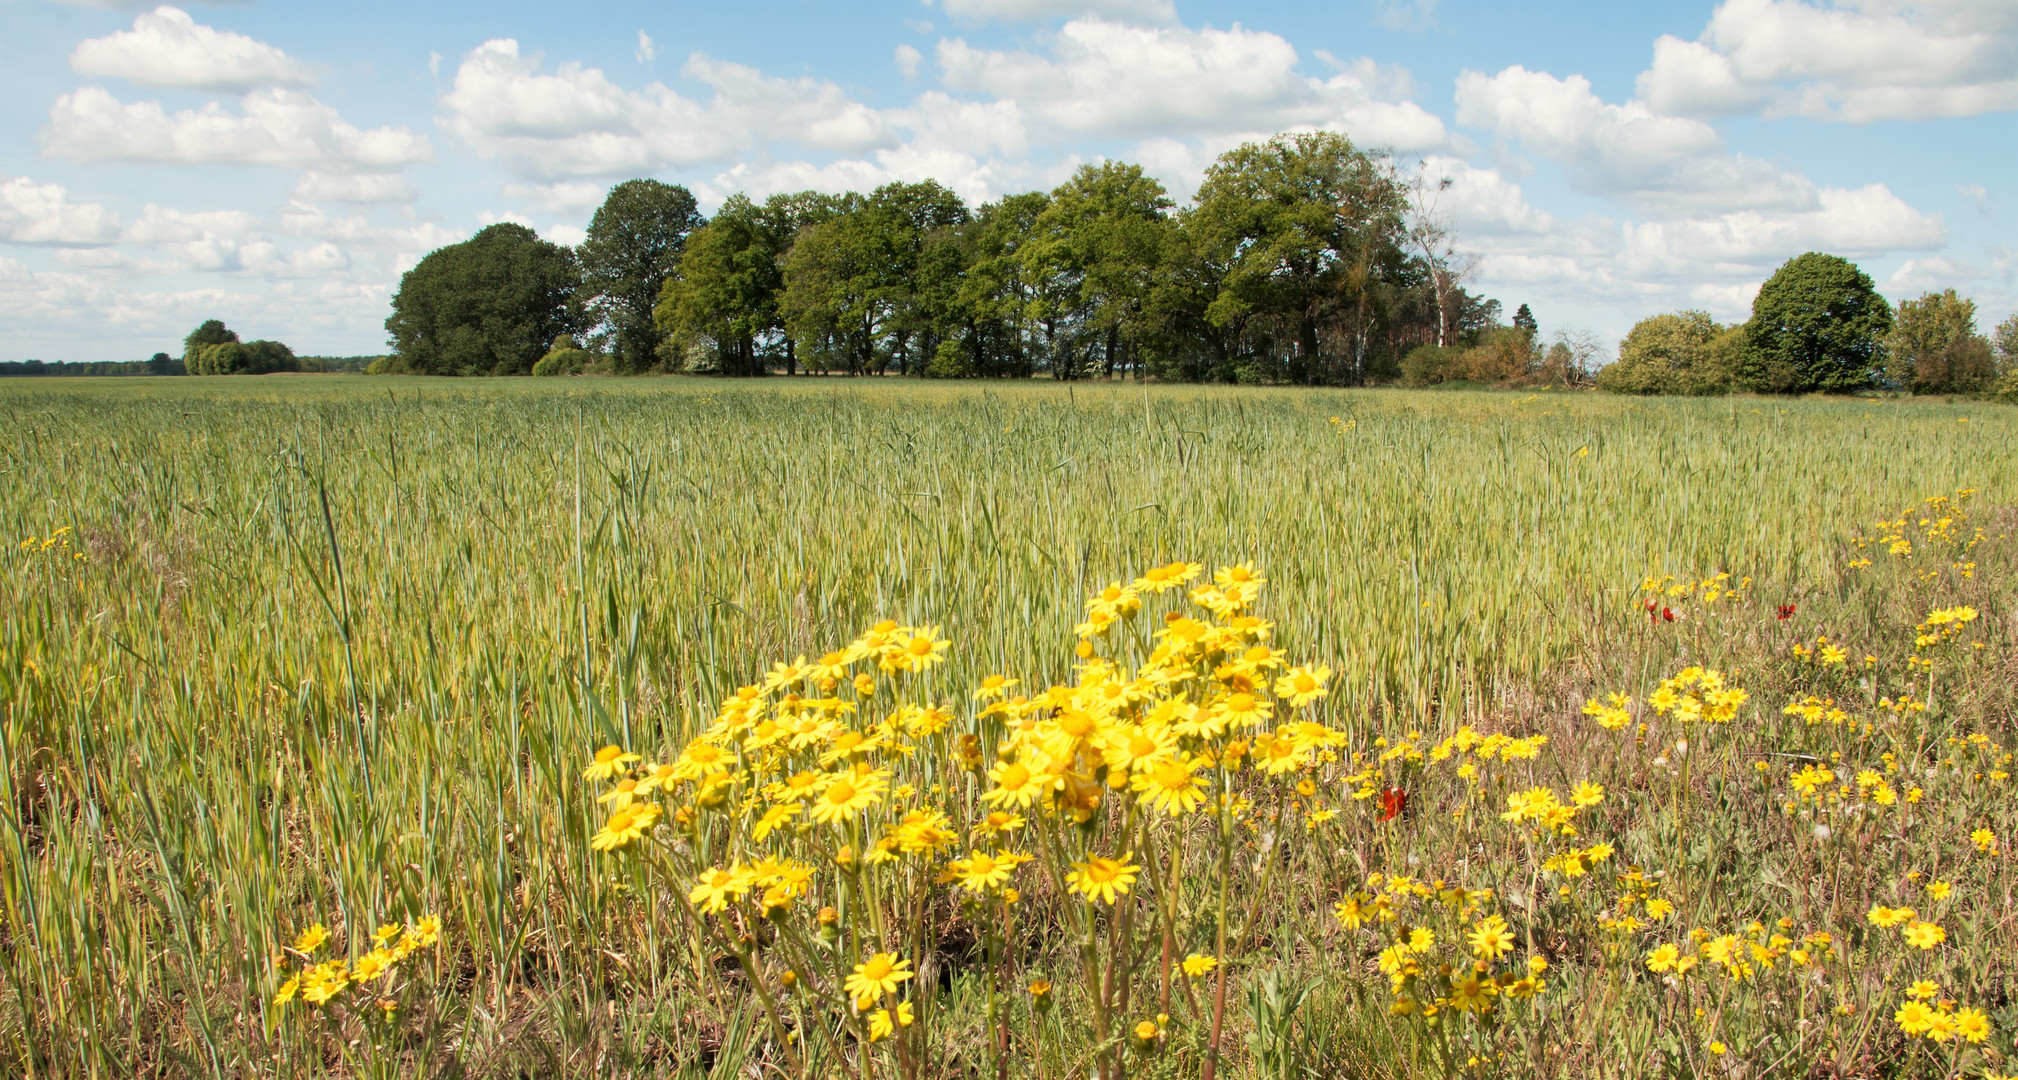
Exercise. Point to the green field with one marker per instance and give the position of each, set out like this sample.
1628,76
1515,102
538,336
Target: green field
338,649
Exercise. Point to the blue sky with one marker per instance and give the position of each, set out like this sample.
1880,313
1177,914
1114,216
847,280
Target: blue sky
278,165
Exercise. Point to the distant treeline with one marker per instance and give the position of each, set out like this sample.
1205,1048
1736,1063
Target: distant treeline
162,364
1302,259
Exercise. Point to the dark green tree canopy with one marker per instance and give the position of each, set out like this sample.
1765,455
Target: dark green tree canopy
212,349
1934,347
212,332
1818,324
634,242
726,289
1291,265
1308,229
487,306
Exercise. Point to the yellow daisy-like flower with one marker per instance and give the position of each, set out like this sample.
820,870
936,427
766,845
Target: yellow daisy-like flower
1971,1024
1300,685
1241,710
1491,938
1170,786
424,932
877,976
1924,935
311,939
916,651
773,819
845,797
1016,785
1198,966
981,871
1472,993
371,965
884,1022
625,826
1588,794
714,889
1915,1018
1663,959
1101,878
610,761
993,687
1881,915
287,991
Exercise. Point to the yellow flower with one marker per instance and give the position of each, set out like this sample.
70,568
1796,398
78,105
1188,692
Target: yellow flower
1491,938
994,686
1923,990
1472,993
714,889
1101,878
1016,785
626,825
1659,909
773,818
1170,785
1198,966
916,651
371,965
1663,959
1972,1024
847,796
1915,1018
610,761
1300,686
1881,915
1939,890
877,976
287,991
1588,794
980,871
311,939
1924,935
424,932
883,1022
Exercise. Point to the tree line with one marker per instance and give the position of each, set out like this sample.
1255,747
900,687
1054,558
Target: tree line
1819,325
1302,259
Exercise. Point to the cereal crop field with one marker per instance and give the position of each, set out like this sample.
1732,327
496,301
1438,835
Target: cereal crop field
374,727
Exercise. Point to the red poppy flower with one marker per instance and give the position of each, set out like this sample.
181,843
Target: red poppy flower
1786,611
1393,803
1667,614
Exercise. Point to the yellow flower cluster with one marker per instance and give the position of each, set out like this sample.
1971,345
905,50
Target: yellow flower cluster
1942,625
840,783
1413,916
1696,694
318,982
1740,957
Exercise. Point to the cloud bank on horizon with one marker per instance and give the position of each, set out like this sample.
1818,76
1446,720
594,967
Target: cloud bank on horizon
169,168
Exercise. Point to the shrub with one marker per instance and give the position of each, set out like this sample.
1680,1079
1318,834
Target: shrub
1684,352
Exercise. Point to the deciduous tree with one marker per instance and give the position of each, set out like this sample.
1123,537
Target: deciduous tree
487,306
634,242
1817,324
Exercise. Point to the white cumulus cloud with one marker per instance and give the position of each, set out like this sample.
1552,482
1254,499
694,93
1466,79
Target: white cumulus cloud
1665,164
272,127
1854,60
1111,79
167,48
1039,10
32,213
354,188
575,121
